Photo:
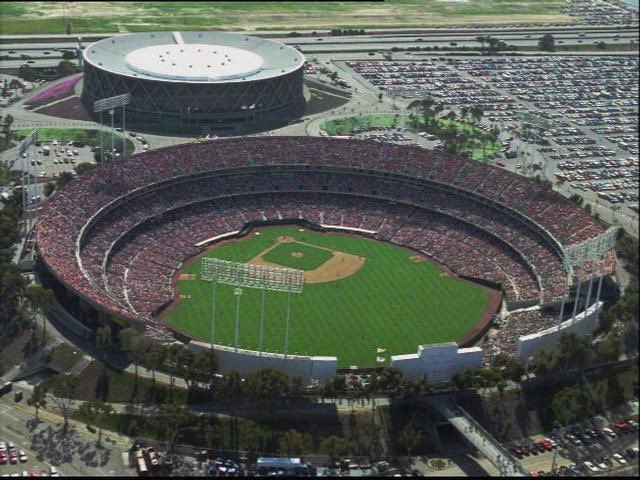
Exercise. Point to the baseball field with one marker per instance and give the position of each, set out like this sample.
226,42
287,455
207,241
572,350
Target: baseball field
359,295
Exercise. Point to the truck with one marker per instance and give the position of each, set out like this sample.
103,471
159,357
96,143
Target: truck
6,388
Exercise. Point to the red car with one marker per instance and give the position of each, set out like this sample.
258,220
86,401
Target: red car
3,458
13,456
623,426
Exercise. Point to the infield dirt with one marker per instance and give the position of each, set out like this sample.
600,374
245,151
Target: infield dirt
341,265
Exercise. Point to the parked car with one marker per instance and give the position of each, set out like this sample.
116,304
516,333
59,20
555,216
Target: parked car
619,458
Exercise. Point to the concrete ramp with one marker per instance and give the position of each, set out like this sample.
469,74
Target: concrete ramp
482,440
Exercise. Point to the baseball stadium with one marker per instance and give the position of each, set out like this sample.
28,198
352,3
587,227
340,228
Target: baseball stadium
392,247
194,78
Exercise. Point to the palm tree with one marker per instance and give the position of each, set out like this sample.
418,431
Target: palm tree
38,399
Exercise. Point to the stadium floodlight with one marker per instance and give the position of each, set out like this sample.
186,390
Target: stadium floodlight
25,180
268,277
247,275
590,249
111,103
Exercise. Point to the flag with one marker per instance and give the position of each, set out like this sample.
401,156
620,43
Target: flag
380,359
243,107
380,350
252,106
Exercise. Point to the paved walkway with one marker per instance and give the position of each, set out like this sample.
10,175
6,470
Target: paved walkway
482,440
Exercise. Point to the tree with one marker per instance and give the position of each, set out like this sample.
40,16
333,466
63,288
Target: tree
6,127
48,189
571,405
410,437
84,167
601,45
42,300
103,340
335,447
265,386
61,389
27,73
542,362
547,43
129,341
68,29
170,419
95,410
38,399
481,39
389,380
65,67
293,443
68,55
573,351
63,179
610,348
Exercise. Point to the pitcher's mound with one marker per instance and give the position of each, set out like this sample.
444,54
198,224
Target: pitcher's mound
297,254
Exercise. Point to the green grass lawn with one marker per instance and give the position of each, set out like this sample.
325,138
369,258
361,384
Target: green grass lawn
343,126
312,259
482,146
390,302
86,135
117,17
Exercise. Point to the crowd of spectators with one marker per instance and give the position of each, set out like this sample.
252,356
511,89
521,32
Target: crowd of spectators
156,206
503,340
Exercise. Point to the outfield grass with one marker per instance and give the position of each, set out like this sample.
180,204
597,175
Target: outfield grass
390,302
283,255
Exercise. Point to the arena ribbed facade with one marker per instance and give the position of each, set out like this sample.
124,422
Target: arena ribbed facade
194,78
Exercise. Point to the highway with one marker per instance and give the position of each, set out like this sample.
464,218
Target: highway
48,53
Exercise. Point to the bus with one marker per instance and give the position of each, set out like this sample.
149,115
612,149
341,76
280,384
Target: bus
141,467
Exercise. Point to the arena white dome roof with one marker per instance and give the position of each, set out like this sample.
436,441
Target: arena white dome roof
198,57
195,61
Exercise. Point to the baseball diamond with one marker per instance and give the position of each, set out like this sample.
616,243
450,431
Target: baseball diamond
338,316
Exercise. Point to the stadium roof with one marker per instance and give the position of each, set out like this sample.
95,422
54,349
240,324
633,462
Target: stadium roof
193,57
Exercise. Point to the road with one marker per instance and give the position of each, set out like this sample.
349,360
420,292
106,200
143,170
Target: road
73,454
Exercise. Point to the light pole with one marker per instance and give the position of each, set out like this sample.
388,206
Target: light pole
238,293
286,332
213,312
262,318
112,134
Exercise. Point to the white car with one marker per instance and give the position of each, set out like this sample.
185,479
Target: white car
607,431
591,467
53,471
22,456
619,458
3,447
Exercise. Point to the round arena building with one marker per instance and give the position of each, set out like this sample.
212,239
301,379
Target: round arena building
194,78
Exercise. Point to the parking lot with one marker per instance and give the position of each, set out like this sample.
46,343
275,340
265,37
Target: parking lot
589,105
17,460
589,448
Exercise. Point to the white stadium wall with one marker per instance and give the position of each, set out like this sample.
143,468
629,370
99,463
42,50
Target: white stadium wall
439,362
247,361
582,324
